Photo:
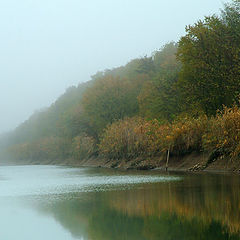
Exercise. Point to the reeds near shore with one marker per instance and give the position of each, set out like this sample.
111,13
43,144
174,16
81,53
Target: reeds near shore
134,137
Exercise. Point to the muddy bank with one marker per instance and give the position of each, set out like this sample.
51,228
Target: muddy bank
195,162
190,162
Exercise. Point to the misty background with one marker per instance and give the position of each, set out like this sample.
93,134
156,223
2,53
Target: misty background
47,46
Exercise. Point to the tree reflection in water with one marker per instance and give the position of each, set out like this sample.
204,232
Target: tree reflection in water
198,207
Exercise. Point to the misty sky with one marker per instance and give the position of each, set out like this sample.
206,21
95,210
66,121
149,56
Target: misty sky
49,45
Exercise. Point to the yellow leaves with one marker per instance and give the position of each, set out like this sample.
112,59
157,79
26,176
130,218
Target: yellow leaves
223,131
83,146
135,136
169,137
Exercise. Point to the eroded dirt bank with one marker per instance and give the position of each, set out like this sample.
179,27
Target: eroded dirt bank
189,162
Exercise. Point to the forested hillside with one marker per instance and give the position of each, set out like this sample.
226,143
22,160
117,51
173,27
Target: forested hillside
182,98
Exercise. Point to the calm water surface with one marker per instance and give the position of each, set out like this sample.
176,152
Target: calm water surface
60,203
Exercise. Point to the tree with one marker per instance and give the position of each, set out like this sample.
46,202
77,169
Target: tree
160,97
110,99
209,52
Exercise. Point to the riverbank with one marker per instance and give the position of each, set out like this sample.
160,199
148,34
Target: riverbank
194,144
193,162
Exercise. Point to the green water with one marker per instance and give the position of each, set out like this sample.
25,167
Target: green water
60,203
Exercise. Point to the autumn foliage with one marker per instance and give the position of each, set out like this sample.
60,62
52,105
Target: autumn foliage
171,100
83,146
133,137
223,133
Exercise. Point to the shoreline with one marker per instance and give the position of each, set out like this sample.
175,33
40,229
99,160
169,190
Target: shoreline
193,162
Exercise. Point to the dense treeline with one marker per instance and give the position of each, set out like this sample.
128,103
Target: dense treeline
182,98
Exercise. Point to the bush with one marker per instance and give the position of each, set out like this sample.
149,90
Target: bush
133,137
224,132
124,139
187,134
49,148
83,146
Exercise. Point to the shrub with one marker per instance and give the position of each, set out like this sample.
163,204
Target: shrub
124,139
224,132
187,134
133,137
49,148
83,146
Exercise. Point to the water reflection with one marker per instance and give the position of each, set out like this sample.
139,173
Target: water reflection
137,206
198,207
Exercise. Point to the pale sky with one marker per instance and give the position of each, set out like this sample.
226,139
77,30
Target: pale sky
49,45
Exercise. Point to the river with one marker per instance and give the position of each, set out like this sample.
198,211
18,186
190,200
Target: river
64,203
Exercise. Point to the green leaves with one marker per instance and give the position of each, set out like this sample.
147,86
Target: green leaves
209,53
110,99
159,97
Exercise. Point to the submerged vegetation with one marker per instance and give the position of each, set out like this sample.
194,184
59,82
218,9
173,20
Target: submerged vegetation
183,98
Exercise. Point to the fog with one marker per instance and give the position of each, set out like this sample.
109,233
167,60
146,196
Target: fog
47,46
